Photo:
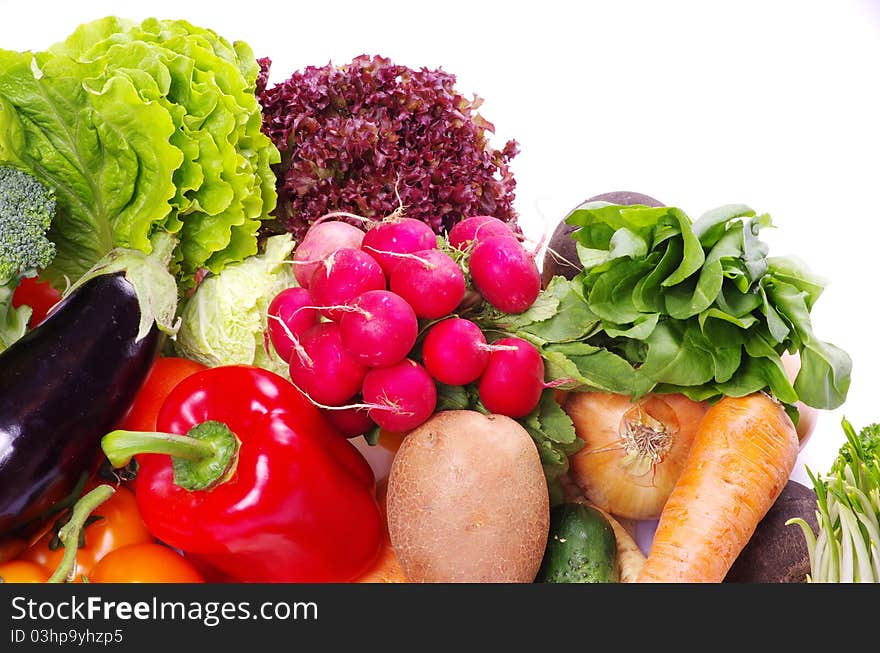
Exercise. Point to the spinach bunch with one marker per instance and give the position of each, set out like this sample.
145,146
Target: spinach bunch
669,305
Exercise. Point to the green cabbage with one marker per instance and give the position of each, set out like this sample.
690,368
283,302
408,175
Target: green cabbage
224,321
141,128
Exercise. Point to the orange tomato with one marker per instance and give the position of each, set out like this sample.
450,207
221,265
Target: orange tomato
22,571
120,525
145,563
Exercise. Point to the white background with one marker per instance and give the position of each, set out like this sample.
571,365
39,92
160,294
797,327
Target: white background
774,104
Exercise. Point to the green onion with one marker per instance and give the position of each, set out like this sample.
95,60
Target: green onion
847,546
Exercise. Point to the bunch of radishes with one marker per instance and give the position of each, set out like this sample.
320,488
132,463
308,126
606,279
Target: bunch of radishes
378,320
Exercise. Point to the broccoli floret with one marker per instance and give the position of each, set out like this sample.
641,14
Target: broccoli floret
27,208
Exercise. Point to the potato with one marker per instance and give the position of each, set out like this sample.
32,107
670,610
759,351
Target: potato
565,263
468,502
777,553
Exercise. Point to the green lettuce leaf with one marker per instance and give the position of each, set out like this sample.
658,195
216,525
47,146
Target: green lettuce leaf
143,127
105,152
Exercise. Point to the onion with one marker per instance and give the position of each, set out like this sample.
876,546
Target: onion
634,451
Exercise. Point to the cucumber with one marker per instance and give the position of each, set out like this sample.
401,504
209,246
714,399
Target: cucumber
581,547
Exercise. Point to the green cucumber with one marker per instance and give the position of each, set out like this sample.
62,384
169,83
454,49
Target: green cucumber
581,547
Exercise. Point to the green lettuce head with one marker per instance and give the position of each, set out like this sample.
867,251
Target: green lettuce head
142,128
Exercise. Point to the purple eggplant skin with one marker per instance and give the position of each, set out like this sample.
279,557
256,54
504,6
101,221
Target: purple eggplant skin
63,386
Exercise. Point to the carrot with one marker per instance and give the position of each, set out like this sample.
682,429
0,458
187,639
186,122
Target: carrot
740,460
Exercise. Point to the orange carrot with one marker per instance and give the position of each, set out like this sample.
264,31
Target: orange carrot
739,462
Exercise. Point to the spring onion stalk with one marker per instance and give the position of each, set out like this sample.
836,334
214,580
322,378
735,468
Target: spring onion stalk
846,548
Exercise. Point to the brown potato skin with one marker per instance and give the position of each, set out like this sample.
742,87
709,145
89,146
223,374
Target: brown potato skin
468,502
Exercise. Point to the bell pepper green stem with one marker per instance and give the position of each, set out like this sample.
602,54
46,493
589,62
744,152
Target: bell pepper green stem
69,533
121,446
203,458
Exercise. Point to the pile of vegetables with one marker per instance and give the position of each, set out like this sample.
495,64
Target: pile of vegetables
219,299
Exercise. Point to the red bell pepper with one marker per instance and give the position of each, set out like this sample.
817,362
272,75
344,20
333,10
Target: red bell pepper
249,478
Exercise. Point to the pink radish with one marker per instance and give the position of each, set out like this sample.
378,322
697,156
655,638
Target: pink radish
505,274
513,380
404,395
390,239
431,282
343,276
323,369
321,240
455,351
477,228
290,314
351,422
380,330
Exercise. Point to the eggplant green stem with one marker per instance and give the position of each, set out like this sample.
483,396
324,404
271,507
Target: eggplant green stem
69,533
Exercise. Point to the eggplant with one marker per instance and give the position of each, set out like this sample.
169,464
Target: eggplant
63,386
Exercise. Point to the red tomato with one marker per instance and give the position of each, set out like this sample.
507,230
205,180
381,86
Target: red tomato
37,294
166,373
145,563
21,571
120,525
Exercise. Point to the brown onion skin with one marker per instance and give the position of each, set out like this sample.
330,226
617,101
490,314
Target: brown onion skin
598,468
